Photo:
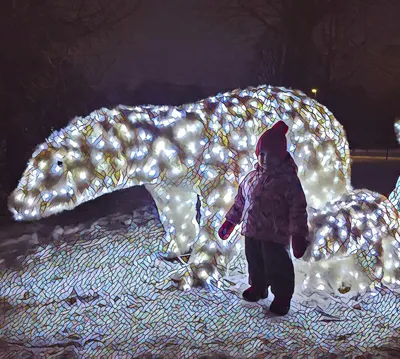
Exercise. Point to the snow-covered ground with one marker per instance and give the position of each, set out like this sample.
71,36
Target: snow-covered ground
104,292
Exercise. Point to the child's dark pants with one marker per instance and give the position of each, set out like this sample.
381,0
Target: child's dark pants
270,266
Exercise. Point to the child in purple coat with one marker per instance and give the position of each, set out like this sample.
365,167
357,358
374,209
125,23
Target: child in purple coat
272,206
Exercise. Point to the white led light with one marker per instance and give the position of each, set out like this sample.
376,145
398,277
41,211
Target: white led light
167,145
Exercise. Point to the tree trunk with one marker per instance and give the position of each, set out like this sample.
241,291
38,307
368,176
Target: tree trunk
299,21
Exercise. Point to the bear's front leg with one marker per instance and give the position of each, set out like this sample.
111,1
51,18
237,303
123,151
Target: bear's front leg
177,210
211,256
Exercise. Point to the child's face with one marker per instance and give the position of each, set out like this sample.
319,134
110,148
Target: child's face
267,160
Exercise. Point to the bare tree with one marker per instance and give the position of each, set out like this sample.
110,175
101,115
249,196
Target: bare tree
288,31
41,83
312,42
268,61
47,34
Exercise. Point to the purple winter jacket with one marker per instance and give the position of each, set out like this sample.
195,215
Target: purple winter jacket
271,204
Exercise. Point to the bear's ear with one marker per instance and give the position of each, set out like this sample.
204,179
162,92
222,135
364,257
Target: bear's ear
44,154
281,126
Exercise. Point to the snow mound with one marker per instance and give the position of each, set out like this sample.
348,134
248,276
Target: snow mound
106,293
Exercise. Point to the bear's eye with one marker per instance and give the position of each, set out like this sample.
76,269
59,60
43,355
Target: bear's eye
59,163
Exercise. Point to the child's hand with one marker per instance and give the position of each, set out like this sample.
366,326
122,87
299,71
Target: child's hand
226,230
299,246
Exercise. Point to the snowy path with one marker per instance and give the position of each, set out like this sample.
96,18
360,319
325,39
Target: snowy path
107,295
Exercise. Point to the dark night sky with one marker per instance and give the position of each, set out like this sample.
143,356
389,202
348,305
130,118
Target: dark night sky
183,42
186,42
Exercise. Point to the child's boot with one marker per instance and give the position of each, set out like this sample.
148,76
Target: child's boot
280,305
254,295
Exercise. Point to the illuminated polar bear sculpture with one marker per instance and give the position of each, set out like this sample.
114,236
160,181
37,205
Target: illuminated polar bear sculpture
355,243
179,153
361,232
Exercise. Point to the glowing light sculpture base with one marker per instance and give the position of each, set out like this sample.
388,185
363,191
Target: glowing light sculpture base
108,294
